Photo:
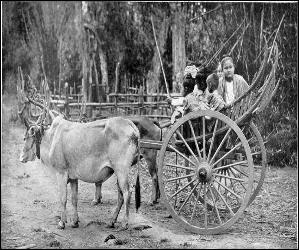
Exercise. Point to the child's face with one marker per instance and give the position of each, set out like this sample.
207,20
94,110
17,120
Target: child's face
219,70
228,68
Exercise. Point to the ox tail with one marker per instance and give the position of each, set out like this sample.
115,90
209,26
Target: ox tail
137,185
137,193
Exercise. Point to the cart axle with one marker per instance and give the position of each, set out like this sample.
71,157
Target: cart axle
204,172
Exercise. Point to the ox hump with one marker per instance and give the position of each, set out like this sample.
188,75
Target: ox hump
120,127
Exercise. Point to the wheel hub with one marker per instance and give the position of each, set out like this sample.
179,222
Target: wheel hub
204,172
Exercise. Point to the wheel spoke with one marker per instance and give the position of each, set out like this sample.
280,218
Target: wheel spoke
205,205
195,204
212,141
181,154
178,178
230,210
204,137
190,150
188,197
226,176
180,190
228,189
236,177
178,166
233,181
241,172
220,145
229,165
215,206
195,141
228,153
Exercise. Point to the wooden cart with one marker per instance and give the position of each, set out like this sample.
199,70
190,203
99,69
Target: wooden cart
211,165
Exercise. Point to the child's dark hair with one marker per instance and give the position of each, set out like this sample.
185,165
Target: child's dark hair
188,83
213,79
201,77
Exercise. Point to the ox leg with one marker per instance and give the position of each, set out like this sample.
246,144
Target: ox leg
150,156
120,201
62,184
98,194
124,191
74,188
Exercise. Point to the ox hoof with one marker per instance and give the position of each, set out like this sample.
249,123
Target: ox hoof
61,225
110,225
95,202
74,224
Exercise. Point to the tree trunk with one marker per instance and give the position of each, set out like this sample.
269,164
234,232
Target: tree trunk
178,46
104,70
98,91
84,62
117,69
152,83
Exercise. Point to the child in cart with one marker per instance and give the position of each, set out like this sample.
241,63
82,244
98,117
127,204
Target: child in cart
199,92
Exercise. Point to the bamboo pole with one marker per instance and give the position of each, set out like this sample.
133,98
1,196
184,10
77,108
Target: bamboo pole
275,35
166,84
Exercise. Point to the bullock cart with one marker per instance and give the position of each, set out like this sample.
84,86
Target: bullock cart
212,165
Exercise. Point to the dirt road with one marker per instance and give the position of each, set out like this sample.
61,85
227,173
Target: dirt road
30,210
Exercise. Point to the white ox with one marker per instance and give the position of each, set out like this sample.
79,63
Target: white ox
90,152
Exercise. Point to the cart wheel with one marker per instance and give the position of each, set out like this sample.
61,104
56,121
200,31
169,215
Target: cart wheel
258,151
208,194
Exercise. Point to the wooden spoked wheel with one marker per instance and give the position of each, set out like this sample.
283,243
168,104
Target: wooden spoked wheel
204,186
258,152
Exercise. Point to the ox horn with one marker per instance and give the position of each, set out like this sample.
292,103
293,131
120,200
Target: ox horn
52,117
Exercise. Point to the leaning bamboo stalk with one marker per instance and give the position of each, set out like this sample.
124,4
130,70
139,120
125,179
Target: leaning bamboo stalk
218,52
261,33
276,35
166,84
238,40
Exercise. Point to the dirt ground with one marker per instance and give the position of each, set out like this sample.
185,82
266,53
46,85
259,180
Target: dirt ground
30,209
